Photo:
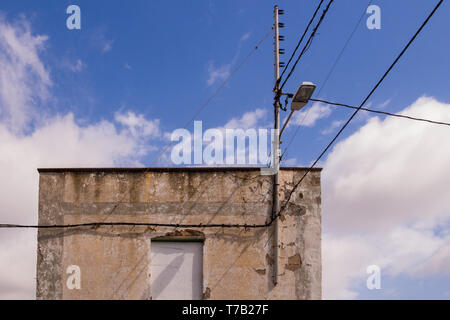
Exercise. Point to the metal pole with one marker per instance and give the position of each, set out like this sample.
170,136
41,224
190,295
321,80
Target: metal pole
276,157
286,122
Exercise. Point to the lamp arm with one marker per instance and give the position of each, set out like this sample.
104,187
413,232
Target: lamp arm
285,123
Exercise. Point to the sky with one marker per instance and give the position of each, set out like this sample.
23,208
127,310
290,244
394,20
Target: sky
112,92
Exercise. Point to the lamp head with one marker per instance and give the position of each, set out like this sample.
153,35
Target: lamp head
302,95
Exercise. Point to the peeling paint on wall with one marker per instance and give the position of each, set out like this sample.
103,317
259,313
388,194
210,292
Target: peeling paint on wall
115,261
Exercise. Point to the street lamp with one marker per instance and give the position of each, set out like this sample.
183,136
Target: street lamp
299,99
302,95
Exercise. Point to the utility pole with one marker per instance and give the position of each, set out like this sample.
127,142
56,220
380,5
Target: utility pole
276,145
299,100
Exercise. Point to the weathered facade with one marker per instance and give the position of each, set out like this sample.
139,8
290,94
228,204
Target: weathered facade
116,262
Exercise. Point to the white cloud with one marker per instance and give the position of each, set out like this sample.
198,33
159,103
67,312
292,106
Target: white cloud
290,162
24,81
78,66
334,125
385,191
61,142
384,104
438,263
385,188
399,251
99,39
245,36
30,138
107,45
309,117
217,73
18,263
138,125
395,161
248,120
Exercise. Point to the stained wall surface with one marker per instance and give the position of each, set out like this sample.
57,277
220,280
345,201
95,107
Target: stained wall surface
115,261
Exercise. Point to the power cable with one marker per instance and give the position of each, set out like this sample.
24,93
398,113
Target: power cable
327,77
301,39
216,92
359,108
98,224
312,35
383,112
273,218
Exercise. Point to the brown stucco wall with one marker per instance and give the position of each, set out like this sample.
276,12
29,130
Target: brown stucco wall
237,263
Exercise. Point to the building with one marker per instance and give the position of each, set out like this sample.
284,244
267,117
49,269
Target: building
148,262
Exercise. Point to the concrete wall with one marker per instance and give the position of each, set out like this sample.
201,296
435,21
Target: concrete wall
115,261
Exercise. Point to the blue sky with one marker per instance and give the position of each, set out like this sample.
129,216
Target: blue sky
162,59
168,49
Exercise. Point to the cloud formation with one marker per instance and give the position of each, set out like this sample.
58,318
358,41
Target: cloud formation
217,73
385,193
333,127
221,72
310,116
24,81
248,120
385,188
31,138
138,125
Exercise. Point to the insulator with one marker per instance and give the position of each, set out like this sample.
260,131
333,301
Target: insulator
281,24
282,64
281,51
280,11
281,38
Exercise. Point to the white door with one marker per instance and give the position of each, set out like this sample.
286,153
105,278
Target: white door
177,270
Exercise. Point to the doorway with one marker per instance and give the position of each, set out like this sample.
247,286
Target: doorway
176,270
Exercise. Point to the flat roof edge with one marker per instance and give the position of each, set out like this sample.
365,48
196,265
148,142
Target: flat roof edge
165,169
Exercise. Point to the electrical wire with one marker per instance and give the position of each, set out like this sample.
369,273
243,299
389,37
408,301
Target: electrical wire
338,58
358,109
312,35
283,207
300,41
330,72
98,224
382,112
104,223
216,92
